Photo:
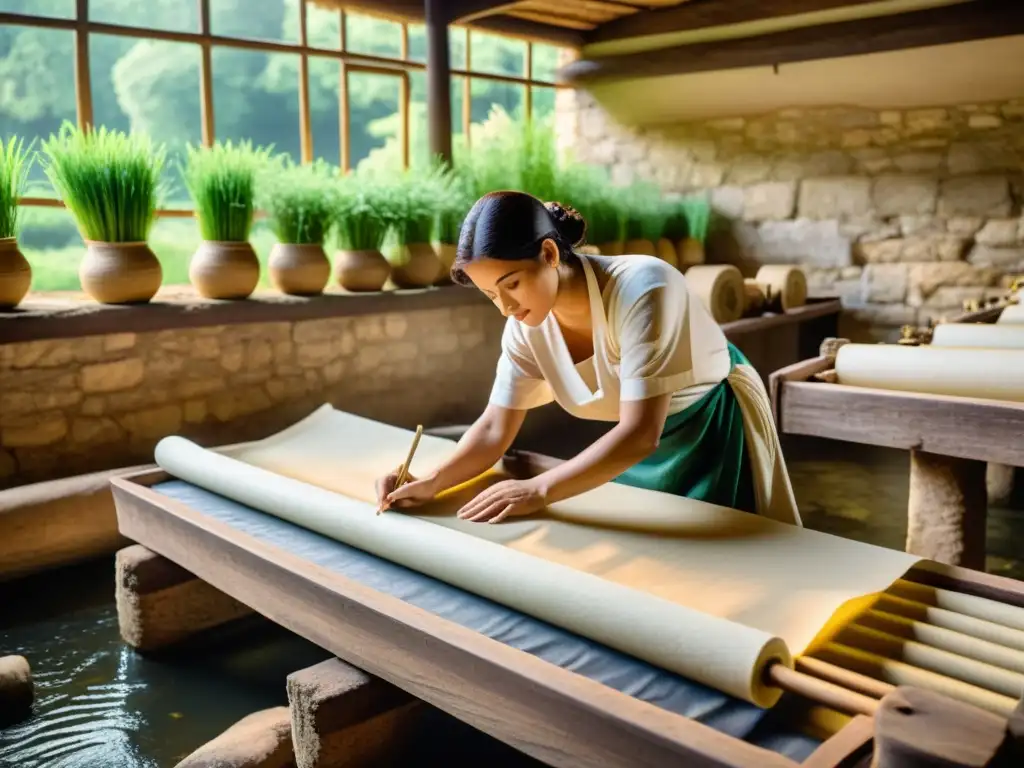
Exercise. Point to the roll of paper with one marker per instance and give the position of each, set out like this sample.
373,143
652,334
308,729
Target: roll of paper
788,285
984,335
995,374
1013,314
720,288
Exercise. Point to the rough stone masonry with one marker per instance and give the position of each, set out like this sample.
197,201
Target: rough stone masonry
902,213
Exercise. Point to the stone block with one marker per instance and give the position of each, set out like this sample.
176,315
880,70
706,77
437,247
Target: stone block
981,157
113,376
917,162
999,232
160,604
885,283
748,169
975,196
1007,259
905,194
964,226
260,740
942,247
769,201
341,715
17,691
926,279
835,198
727,201
34,430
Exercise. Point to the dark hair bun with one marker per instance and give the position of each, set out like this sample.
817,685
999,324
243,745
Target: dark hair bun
569,223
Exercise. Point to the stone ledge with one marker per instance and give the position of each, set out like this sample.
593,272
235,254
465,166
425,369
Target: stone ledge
62,316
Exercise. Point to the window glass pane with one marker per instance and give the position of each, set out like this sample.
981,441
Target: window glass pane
373,115
172,15
324,108
489,97
276,20
419,127
457,47
458,100
497,55
38,87
151,87
56,9
256,97
543,102
50,241
545,61
418,42
373,36
323,27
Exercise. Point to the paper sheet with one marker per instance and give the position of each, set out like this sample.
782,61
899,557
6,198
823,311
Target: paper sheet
990,335
711,593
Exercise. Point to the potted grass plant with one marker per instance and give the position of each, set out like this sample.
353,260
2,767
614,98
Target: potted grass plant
221,180
588,190
110,181
298,202
15,271
645,219
363,214
419,196
696,212
457,201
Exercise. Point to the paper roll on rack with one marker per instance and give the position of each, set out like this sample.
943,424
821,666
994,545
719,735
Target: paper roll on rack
787,284
720,288
995,374
1013,314
990,335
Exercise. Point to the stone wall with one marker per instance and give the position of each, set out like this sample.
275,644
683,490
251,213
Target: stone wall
103,401
904,214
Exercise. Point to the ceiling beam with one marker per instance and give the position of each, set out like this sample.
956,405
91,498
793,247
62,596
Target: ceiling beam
935,26
467,10
698,14
529,30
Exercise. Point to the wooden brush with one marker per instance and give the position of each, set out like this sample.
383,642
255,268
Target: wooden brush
403,471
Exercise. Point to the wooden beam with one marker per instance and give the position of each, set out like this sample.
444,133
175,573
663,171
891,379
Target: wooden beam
529,30
936,26
439,91
698,15
466,10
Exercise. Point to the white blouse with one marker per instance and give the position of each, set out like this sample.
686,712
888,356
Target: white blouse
652,336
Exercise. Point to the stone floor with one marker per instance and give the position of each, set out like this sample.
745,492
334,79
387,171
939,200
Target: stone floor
860,492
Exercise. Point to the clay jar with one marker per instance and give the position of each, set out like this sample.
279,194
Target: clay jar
120,273
419,267
666,251
446,253
639,247
299,269
360,271
15,274
614,248
224,270
690,251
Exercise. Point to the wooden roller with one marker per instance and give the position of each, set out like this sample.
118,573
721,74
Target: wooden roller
787,284
958,622
720,288
1013,314
755,297
970,605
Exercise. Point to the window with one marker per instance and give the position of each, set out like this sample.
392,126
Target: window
54,9
170,15
275,20
323,27
325,108
372,36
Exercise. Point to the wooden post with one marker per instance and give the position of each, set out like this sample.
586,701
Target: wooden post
439,90
947,509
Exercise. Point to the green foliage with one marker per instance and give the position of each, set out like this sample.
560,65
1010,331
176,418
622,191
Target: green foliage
364,212
697,212
222,183
589,190
299,201
455,205
15,162
109,180
646,214
420,195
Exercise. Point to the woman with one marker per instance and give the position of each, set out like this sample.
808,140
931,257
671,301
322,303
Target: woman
617,339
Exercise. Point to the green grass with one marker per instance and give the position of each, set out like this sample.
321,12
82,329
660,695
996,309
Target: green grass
109,180
299,201
363,213
589,191
222,181
697,212
15,162
646,214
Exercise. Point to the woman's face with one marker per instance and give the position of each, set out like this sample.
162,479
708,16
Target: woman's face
525,290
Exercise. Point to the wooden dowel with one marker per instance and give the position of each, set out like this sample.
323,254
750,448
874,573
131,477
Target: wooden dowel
876,689
900,673
958,622
924,656
970,605
945,639
821,691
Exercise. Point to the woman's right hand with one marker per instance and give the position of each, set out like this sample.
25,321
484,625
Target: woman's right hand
413,492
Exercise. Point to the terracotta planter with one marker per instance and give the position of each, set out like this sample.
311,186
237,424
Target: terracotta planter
446,253
611,249
299,270
420,266
667,252
639,247
690,252
224,270
120,273
361,270
15,274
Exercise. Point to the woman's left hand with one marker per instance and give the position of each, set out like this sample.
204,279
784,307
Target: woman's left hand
509,498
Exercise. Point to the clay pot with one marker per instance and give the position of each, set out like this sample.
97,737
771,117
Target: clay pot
224,270
639,247
611,249
666,251
361,270
446,253
299,270
15,274
120,273
420,267
690,251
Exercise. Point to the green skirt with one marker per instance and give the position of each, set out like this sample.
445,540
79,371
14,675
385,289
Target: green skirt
702,453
